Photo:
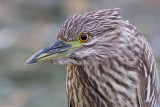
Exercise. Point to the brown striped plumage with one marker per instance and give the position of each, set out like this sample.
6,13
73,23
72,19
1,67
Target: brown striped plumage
115,68
117,71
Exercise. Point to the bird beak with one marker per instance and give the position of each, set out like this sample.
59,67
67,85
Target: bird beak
56,50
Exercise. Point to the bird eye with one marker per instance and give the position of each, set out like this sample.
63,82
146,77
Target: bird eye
84,37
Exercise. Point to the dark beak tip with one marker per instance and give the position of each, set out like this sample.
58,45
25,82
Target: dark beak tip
31,60
27,62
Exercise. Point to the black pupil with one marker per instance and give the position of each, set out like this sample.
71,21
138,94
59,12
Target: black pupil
84,37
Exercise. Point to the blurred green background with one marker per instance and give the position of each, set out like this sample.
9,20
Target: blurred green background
26,26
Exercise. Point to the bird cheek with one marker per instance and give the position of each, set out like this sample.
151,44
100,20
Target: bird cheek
81,44
72,55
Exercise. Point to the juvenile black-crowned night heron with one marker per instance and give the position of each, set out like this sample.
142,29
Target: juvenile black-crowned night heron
108,62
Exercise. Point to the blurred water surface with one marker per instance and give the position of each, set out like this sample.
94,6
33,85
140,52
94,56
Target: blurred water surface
26,26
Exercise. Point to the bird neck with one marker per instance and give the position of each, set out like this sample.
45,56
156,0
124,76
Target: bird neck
100,81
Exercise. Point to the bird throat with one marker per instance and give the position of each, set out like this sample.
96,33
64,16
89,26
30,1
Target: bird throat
98,86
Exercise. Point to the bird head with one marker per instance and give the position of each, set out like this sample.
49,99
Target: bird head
84,38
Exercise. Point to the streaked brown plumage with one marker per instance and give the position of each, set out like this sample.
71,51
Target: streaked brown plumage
114,68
